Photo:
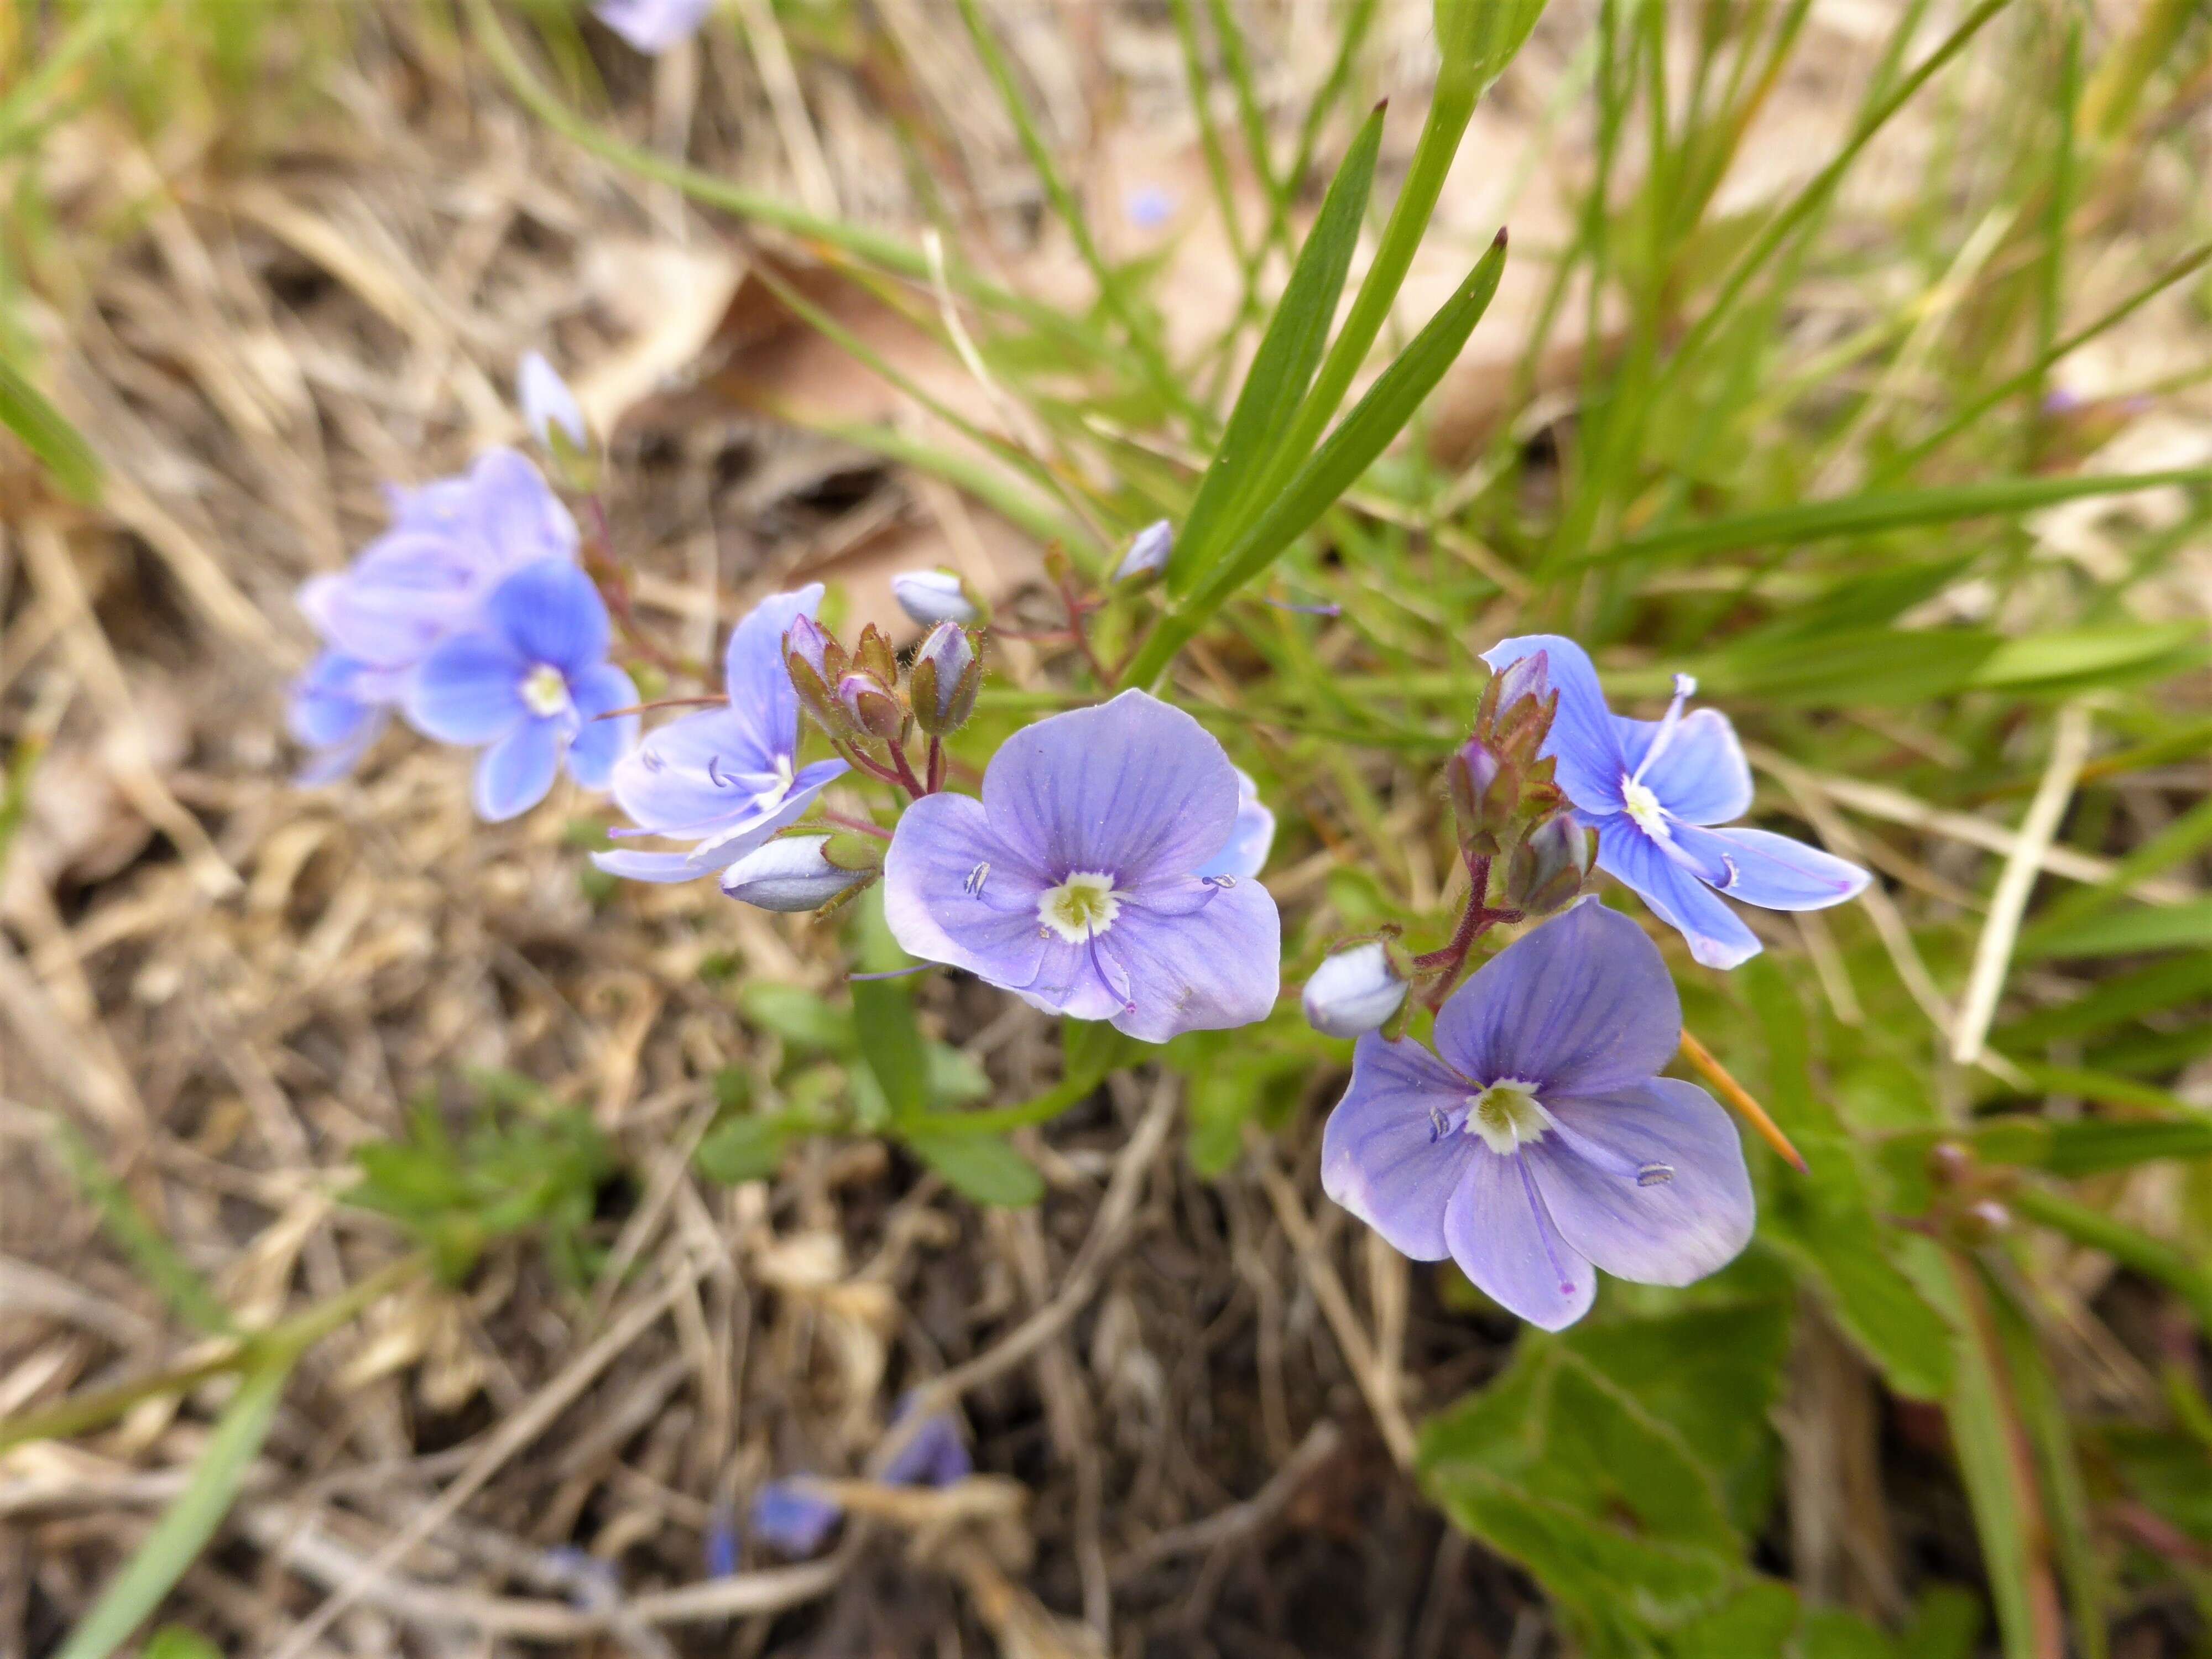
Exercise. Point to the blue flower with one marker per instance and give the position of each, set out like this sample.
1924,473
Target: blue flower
1653,790
531,683
795,1518
1538,1143
653,26
421,582
1251,838
1074,881
725,779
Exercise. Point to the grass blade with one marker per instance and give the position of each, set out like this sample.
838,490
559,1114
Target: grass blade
25,411
187,1524
1352,448
1870,513
1284,366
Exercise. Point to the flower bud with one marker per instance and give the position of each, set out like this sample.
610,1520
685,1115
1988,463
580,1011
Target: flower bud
816,663
1485,797
1148,552
929,597
871,706
874,655
1985,1219
946,671
555,421
1549,867
1515,709
788,874
1354,990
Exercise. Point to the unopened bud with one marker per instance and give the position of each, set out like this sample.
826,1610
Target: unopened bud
1515,709
871,706
1950,1162
555,421
1148,552
789,874
1549,867
946,671
929,597
816,663
1485,794
1984,1219
873,655
1353,991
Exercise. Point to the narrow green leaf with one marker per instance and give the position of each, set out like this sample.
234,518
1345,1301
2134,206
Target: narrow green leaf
984,1168
2105,653
25,411
2139,928
175,1642
883,1014
1361,436
1883,510
746,1148
189,1521
1283,368
2152,1258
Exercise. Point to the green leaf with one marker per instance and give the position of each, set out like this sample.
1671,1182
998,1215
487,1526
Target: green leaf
1946,1624
175,1642
748,1148
802,1019
883,1014
1361,436
1883,510
981,1167
25,411
1283,368
2102,653
189,1521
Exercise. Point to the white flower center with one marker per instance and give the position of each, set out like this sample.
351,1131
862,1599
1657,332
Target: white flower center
1506,1114
1641,805
545,691
1080,907
779,787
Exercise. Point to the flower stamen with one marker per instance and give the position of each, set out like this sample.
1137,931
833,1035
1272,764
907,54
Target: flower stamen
1081,907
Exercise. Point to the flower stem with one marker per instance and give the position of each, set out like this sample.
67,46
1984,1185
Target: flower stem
1702,1061
1445,962
936,774
858,826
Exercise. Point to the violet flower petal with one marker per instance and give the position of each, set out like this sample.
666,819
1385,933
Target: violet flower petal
1701,776
1718,937
515,772
553,614
1211,969
790,1519
1504,1239
1583,740
754,677
1251,836
1774,871
599,743
636,866
1649,1182
1135,787
468,691
1388,1153
939,908
1582,1006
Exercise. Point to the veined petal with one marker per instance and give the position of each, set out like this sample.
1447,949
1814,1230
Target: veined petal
940,908
1701,776
702,770
1384,1156
552,613
515,772
753,673
1504,1239
1135,788
601,743
1209,969
1716,935
1649,1182
1583,1005
1251,837
636,866
1584,740
468,691
1775,872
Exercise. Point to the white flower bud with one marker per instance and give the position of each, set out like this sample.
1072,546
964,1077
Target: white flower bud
929,597
1148,552
788,874
1353,991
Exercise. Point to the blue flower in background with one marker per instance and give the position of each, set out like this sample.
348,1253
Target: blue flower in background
530,682
1653,789
422,582
1537,1142
653,26
795,1517
725,779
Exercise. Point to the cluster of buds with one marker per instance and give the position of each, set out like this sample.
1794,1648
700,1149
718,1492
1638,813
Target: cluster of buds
1503,801
864,698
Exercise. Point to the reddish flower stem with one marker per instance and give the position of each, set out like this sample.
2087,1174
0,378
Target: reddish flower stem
858,826
1478,919
936,773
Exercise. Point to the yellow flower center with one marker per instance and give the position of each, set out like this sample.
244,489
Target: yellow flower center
1506,1114
1080,907
544,690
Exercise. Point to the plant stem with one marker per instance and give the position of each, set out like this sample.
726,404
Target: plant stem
936,774
858,826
